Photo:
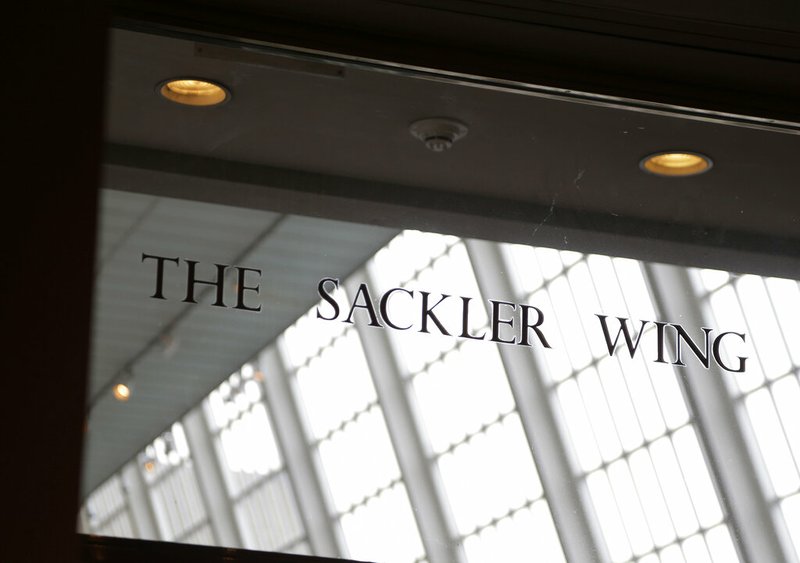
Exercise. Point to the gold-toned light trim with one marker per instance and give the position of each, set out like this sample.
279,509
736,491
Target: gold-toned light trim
194,92
676,163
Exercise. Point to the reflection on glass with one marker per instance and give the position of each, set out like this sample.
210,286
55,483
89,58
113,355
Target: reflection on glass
627,420
635,447
256,479
768,394
174,491
107,510
347,427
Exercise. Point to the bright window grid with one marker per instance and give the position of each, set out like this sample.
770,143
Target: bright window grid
787,505
256,480
107,510
767,394
170,479
631,432
462,396
347,430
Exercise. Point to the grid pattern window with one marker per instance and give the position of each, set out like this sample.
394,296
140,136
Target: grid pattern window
767,392
346,427
633,437
633,444
464,402
170,477
256,479
107,511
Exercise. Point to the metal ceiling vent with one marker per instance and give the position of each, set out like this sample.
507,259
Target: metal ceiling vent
438,133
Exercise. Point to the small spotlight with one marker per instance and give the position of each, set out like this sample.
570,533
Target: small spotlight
676,163
194,92
122,392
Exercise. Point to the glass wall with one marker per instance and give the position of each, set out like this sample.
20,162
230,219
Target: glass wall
634,450
315,334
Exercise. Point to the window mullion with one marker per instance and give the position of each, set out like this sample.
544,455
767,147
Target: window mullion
716,420
139,503
562,490
414,464
298,459
210,480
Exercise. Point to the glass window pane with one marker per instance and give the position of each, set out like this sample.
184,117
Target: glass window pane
383,529
358,460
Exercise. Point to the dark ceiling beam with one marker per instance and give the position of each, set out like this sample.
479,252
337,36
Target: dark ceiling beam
716,66
183,176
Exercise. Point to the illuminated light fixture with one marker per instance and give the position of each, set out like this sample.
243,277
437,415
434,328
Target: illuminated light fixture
194,92
676,163
122,392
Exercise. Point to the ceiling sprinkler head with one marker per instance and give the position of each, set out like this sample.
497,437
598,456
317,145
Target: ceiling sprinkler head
438,133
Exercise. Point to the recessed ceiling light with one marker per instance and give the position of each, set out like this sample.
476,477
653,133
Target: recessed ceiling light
122,392
676,163
194,92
